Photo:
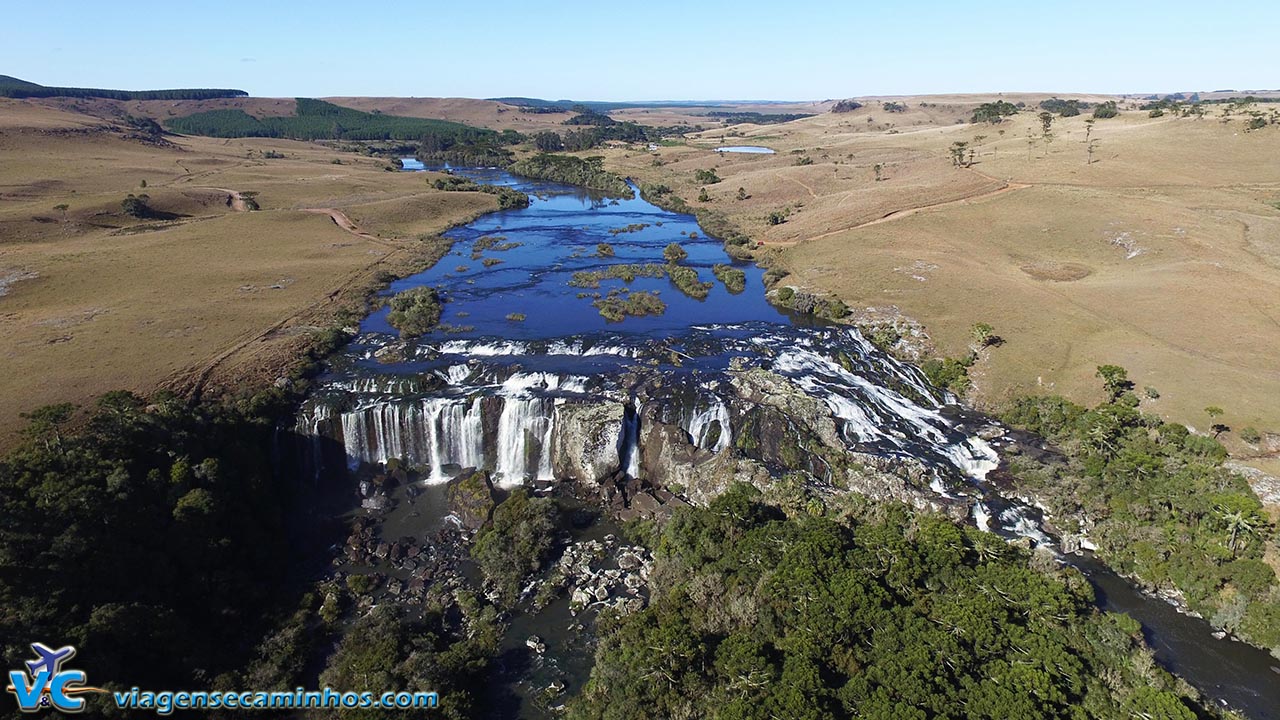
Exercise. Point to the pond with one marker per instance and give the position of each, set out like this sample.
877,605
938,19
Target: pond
749,149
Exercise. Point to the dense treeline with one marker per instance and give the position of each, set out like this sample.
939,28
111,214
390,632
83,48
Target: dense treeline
319,120
14,88
508,198
153,539
1157,502
587,173
1064,108
885,615
756,118
993,112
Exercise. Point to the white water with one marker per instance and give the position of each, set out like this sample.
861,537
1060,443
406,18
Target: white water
700,425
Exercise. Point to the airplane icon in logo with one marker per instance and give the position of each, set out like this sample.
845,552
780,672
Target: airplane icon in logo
50,660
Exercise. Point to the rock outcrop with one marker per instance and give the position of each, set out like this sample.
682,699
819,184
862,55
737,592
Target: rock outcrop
471,499
585,444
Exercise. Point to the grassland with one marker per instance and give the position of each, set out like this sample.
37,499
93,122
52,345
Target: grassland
1162,255
204,295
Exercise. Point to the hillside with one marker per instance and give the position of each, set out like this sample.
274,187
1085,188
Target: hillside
16,88
201,292
1159,251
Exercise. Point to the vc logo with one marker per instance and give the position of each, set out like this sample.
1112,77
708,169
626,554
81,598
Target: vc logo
45,684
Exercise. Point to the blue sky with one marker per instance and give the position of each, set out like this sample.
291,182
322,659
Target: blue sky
749,49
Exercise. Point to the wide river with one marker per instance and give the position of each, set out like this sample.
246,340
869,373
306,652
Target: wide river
520,337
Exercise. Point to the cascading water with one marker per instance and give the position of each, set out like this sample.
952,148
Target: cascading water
486,391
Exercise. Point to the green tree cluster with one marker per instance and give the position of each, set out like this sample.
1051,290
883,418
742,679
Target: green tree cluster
517,543
584,172
415,311
151,537
1158,504
755,615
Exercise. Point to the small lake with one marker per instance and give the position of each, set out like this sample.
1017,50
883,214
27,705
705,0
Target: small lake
748,149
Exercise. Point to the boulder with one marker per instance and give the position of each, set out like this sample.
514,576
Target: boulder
585,442
471,498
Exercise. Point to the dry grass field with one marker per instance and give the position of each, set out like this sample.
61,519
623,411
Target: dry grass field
1162,255
208,294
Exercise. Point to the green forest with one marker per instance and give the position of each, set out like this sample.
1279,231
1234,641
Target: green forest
879,614
14,88
320,120
1158,503
588,173
155,538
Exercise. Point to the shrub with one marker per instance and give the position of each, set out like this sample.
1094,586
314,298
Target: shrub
948,373
674,253
735,280
687,281
415,311
1106,110
1250,435
706,177
604,250
136,206
615,307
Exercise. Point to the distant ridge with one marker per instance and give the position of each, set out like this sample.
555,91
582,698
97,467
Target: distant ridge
18,88
605,106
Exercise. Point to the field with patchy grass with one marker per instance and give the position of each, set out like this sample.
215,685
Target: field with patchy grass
201,292
1161,255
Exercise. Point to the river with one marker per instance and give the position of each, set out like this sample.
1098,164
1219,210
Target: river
521,345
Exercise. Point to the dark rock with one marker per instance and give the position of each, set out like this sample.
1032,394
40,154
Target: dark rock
471,499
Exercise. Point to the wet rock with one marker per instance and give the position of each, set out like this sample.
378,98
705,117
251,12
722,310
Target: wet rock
471,499
377,504
536,644
669,459
585,441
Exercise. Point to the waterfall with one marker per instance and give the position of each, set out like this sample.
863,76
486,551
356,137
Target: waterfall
521,417
701,424
629,440
981,516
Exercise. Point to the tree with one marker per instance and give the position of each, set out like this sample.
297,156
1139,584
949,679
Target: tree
62,208
1240,523
879,170
1115,379
1089,143
1046,122
703,196
1106,110
136,205
1214,412
984,334
958,154
706,177
742,193
548,141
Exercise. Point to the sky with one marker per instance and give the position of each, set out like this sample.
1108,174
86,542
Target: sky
701,50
